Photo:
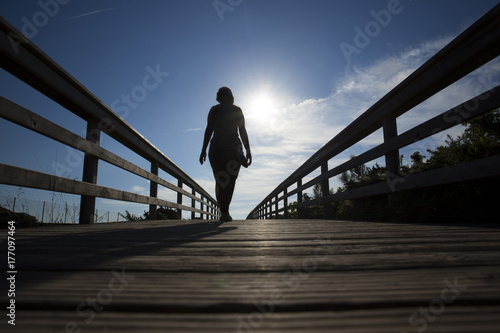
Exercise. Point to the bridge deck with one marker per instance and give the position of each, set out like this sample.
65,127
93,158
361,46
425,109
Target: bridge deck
257,276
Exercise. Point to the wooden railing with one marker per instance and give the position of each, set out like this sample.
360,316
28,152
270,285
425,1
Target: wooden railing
473,48
20,57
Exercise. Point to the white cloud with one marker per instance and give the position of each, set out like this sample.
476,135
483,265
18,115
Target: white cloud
192,130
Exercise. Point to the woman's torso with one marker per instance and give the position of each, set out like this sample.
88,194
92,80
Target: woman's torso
225,121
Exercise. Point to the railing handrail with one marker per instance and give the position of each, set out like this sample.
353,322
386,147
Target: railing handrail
474,47
23,59
123,133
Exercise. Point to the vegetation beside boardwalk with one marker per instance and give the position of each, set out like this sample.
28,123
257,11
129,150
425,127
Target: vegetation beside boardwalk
21,219
162,213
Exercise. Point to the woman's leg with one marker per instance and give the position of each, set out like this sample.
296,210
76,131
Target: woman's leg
227,195
226,168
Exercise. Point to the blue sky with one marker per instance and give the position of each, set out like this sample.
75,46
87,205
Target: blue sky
299,69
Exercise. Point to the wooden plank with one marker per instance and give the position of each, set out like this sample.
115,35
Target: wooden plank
90,168
10,175
153,190
226,292
195,276
390,130
459,320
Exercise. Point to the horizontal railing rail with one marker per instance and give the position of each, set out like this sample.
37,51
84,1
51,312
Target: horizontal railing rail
20,57
473,48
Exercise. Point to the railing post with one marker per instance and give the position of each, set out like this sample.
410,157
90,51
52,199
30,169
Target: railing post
285,203
179,199
203,207
90,167
153,190
391,158
325,190
299,198
193,204
276,206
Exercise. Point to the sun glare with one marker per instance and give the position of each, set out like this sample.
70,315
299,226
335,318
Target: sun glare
261,107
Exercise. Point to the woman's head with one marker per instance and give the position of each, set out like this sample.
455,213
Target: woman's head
225,96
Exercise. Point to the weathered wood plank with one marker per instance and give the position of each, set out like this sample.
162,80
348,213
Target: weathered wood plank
326,290
465,320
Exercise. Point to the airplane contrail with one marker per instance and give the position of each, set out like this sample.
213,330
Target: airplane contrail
91,13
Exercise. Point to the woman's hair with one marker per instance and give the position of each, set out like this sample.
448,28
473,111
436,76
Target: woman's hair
225,95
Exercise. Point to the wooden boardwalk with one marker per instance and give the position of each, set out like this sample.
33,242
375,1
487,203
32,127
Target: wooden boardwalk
256,276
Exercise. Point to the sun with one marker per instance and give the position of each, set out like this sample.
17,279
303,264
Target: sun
261,107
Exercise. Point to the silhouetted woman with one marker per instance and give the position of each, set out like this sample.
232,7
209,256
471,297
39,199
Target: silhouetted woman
225,120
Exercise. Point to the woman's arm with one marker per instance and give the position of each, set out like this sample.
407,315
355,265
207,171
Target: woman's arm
244,139
208,134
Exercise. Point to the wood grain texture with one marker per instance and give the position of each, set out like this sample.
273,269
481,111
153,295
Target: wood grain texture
258,276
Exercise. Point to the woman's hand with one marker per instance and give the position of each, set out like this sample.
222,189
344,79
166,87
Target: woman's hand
249,157
203,157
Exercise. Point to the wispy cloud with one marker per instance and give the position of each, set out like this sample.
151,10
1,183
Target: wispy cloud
292,134
192,130
92,13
